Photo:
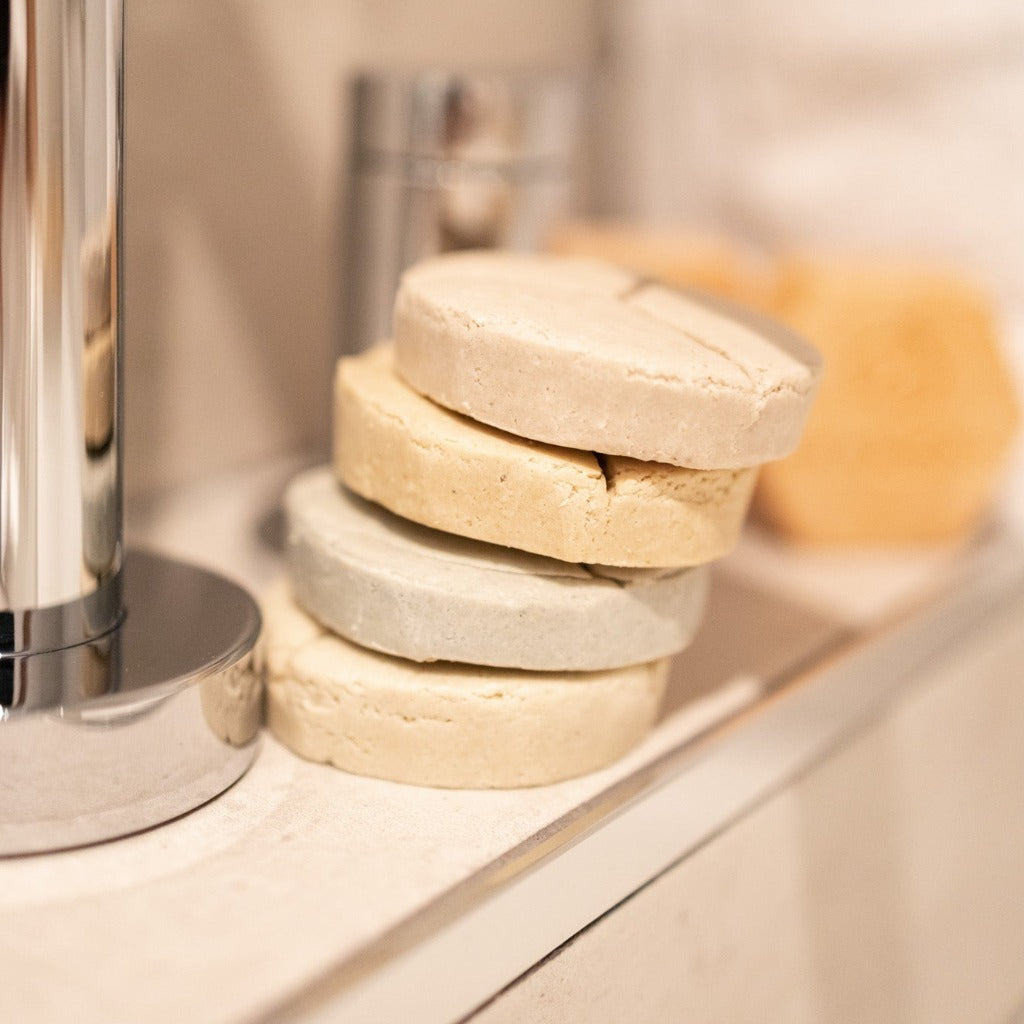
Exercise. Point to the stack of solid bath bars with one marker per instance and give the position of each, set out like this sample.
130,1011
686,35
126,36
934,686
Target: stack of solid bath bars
528,483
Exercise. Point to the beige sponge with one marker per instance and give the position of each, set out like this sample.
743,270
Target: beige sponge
916,410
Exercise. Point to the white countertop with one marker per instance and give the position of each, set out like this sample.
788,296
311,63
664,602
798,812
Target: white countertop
293,874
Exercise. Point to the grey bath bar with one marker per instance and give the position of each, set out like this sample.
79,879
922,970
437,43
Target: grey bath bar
407,590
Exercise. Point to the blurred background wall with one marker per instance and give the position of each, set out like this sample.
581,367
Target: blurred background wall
236,146
896,127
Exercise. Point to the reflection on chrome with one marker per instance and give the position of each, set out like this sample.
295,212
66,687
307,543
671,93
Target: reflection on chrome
232,702
60,156
138,726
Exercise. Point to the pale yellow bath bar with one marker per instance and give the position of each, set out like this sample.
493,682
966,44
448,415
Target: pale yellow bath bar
444,724
428,464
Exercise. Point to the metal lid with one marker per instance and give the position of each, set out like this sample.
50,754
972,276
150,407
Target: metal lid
490,118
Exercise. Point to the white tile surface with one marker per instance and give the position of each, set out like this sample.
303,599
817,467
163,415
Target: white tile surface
885,886
239,904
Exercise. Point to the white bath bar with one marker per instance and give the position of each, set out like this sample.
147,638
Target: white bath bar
584,355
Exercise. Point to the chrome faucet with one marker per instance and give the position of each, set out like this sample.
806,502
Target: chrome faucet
125,695
60,417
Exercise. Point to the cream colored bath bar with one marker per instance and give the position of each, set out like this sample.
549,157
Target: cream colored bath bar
404,589
436,467
445,724
584,355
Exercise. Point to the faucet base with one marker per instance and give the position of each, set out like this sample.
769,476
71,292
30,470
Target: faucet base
139,726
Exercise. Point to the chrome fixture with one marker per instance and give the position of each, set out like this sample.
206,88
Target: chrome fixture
442,160
125,697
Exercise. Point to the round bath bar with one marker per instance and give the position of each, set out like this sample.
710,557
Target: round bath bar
584,355
428,464
445,724
401,588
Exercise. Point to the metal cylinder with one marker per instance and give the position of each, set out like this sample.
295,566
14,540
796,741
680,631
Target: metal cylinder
60,382
109,722
445,160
